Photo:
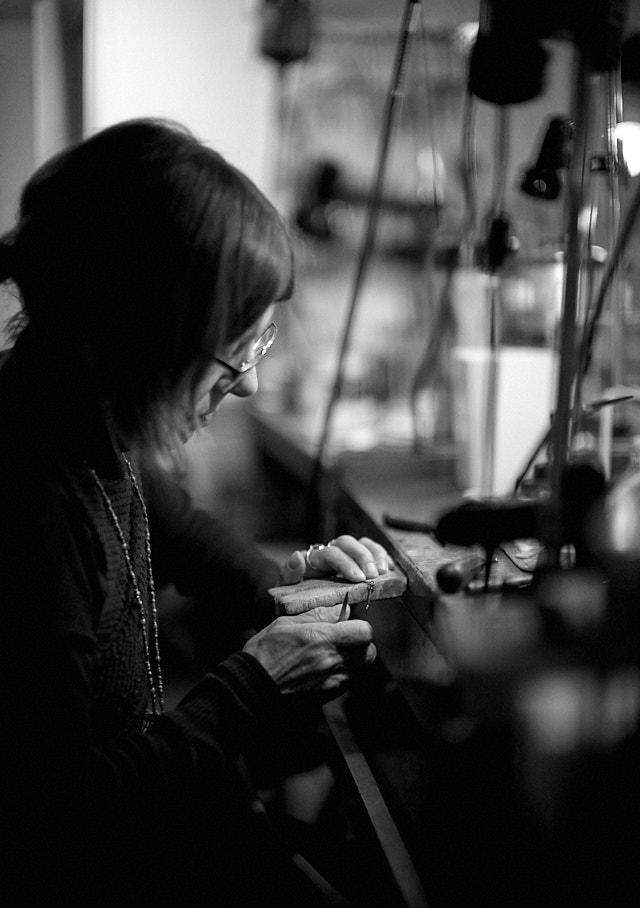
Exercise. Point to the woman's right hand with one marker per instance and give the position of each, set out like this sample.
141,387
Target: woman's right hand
312,651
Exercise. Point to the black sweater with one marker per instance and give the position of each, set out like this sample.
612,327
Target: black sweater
89,800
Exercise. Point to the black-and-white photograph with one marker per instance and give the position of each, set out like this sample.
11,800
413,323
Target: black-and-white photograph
320,453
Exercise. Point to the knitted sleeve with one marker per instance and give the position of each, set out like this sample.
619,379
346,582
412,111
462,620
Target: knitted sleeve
205,558
65,791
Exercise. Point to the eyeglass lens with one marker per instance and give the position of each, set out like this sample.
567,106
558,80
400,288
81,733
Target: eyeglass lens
259,348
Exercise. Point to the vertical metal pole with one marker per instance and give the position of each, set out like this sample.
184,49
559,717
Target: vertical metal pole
614,115
492,387
394,96
561,430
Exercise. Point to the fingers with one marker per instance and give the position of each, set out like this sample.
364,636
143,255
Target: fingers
348,647
327,628
352,633
294,569
357,657
354,559
312,651
338,635
341,633
329,613
351,662
381,558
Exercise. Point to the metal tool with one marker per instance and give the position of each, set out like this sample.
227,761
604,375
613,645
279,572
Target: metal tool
455,575
344,610
402,523
370,585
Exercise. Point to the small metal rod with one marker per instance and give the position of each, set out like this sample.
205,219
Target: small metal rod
492,387
395,94
370,585
345,606
561,429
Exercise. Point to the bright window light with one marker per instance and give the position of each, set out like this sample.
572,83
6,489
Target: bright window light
466,34
628,134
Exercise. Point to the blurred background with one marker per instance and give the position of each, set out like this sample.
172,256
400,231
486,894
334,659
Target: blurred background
295,93
419,354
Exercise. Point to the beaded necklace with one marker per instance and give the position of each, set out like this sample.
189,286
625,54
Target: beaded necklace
155,682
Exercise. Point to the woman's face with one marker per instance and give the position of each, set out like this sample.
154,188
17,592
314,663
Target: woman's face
219,379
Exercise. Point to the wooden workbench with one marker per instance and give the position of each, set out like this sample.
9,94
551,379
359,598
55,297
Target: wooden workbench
465,789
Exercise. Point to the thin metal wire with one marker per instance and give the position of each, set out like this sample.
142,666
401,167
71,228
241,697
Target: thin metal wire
613,262
393,100
501,163
431,129
492,385
469,173
595,305
561,429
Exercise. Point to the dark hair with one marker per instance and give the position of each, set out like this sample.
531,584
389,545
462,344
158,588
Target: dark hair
142,247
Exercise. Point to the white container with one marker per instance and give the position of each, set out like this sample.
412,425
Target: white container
525,381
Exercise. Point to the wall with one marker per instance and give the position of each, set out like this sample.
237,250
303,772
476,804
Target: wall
16,124
16,133
38,112
191,60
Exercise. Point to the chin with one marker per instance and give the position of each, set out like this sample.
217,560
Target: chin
188,429
185,435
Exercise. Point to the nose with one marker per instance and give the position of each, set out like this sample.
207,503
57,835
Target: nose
247,386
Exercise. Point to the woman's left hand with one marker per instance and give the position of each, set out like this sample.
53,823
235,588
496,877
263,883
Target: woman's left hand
355,560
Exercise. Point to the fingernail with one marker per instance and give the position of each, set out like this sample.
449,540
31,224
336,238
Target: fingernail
370,569
383,566
357,574
294,560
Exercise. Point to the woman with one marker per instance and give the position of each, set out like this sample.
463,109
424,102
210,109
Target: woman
147,267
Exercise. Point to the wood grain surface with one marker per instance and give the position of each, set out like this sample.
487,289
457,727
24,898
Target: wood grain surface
308,594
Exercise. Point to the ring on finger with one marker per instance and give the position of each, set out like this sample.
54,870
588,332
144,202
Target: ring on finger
316,547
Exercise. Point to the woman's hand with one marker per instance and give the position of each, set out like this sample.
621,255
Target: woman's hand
353,559
313,651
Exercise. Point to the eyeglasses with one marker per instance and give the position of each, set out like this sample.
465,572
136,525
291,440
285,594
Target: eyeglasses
258,349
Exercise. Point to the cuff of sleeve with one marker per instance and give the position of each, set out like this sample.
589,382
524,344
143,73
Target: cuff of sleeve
256,680
238,695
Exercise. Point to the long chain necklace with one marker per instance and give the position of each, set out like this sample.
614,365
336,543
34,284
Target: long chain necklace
155,683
